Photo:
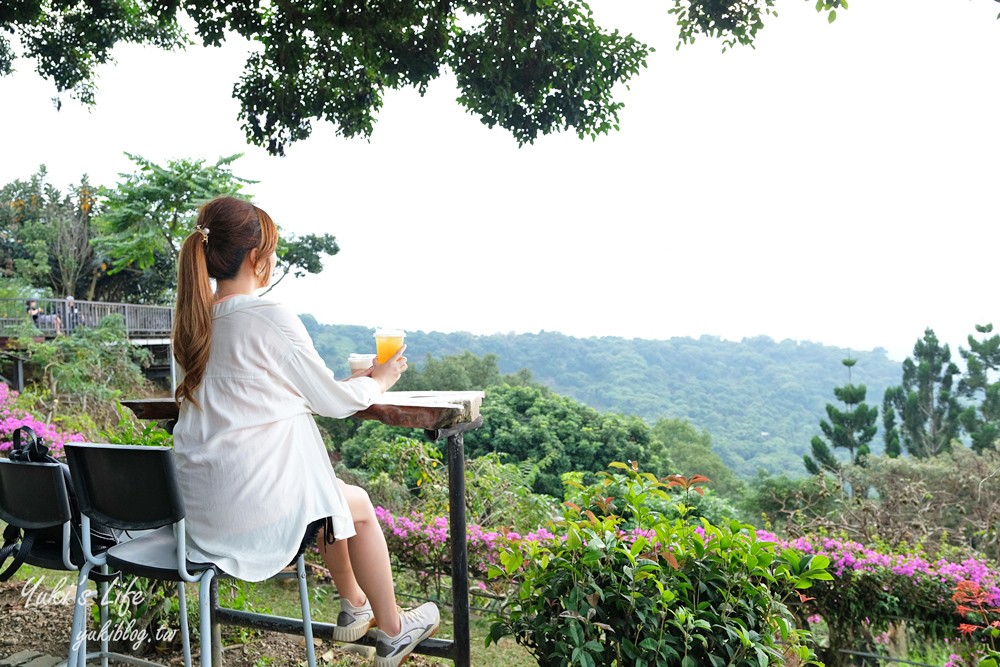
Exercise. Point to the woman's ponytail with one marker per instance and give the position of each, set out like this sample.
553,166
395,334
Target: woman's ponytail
192,335
228,228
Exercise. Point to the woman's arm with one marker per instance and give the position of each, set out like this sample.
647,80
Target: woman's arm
324,394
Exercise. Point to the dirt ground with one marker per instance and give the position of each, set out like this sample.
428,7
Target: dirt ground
39,619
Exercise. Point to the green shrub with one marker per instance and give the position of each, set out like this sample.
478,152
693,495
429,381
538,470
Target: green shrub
85,372
401,472
702,505
367,437
497,495
624,585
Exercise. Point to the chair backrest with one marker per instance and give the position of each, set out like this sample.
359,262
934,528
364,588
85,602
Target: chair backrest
124,486
33,495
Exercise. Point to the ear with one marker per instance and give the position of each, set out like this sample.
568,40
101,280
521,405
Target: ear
252,257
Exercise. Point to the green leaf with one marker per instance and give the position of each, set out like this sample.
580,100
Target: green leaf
819,562
576,635
573,540
832,16
511,561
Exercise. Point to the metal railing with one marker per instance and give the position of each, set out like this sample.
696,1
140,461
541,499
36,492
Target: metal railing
52,317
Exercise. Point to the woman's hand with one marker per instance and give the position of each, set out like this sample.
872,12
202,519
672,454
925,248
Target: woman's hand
387,374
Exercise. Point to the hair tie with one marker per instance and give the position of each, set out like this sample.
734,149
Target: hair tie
204,233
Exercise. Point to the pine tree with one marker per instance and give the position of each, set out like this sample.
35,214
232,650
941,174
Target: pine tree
925,403
981,420
890,432
851,429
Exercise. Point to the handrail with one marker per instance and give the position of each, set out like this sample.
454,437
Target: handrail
63,316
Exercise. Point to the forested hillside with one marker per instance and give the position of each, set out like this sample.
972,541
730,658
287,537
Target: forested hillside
760,400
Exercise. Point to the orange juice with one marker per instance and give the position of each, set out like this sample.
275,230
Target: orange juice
387,343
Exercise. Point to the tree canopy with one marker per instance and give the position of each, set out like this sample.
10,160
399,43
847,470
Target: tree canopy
121,243
531,66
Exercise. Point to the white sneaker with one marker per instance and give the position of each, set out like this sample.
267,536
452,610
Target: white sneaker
416,625
353,622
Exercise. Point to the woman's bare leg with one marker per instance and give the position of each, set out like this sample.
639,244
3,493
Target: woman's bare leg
338,561
368,561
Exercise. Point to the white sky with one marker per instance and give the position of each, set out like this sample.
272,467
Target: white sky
837,184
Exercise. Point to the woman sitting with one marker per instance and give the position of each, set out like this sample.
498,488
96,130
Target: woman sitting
254,472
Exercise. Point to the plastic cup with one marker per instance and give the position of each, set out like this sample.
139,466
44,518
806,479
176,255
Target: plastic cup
388,342
360,362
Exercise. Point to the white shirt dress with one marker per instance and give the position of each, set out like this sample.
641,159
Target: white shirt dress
253,470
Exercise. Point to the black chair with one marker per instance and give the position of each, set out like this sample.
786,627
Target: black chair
134,488
34,498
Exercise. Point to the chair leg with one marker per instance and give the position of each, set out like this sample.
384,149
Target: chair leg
300,568
105,624
185,631
78,631
205,620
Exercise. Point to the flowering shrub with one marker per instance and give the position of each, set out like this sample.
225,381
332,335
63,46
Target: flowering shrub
12,418
874,588
647,590
869,591
422,544
980,609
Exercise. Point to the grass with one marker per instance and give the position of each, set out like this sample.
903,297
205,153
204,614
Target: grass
280,597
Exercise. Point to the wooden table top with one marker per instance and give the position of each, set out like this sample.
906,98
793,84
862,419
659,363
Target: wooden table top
429,410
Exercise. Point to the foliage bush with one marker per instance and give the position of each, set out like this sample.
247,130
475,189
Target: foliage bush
497,495
85,372
13,417
789,504
948,499
558,435
403,473
422,544
541,432
369,436
704,504
623,585
874,587
131,430
979,608
951,498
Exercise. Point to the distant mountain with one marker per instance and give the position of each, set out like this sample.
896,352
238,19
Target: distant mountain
760,400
